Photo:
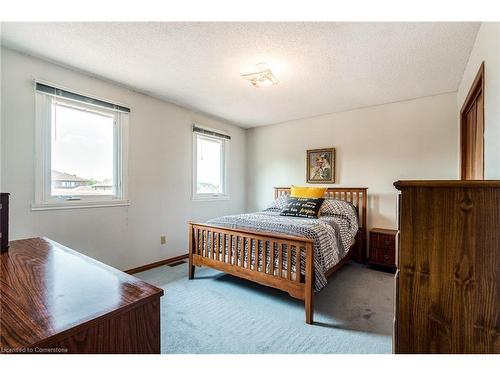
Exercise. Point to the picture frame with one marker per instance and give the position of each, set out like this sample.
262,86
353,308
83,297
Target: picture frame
320,166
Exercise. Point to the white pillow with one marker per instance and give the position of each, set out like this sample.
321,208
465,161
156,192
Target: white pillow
341,209
337,207
278,204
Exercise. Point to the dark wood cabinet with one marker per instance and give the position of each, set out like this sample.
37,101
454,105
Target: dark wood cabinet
56,300
383,247
447,296
4,222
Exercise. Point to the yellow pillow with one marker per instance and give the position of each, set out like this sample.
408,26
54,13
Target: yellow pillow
307,192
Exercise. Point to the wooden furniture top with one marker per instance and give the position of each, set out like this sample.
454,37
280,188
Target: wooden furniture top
50,290
448,183
391,232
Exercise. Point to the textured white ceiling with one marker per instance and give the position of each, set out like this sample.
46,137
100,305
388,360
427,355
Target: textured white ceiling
321,67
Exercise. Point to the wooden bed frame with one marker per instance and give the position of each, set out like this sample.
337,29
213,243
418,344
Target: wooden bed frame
203,238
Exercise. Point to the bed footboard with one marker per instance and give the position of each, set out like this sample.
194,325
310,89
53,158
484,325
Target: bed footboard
266,258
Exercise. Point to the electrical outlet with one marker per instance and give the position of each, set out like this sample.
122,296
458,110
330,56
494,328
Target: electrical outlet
163,239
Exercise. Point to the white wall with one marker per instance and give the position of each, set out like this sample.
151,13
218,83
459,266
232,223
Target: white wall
375,146
159,171
486,48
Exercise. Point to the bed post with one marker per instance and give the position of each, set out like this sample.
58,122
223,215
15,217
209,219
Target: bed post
309,293
191,266
364,242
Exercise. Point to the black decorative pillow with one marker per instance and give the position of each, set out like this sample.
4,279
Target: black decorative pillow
302,207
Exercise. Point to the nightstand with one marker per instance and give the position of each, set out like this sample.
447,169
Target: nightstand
383,248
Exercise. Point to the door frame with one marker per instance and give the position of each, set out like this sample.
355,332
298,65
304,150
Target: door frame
476,88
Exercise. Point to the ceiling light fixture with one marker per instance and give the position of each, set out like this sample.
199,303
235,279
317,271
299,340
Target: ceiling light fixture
262,77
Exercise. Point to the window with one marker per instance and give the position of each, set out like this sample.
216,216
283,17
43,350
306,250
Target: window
80,150
210,149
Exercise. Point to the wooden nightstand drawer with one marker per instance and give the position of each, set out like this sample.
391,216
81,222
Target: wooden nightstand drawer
383,247
382,256
383,241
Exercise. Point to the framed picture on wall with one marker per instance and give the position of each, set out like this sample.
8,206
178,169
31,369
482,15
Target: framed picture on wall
320,166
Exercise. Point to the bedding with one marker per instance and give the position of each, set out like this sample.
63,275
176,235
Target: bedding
332,234
329,207
302,207
338,207
278,204
307,192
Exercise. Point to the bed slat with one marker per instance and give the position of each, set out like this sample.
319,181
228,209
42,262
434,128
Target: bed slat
245,244
280,259
205,243
264,256
271,265
216,245
289,261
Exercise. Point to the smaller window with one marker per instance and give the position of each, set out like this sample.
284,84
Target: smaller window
210,151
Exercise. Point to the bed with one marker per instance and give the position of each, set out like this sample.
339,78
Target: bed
258,246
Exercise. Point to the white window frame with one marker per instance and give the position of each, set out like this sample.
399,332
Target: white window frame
224,168
43,199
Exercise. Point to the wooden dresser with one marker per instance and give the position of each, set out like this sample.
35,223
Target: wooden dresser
448,277
56,300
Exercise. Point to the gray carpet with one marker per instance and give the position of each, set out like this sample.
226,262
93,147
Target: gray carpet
219,313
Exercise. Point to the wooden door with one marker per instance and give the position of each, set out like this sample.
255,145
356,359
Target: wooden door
472,131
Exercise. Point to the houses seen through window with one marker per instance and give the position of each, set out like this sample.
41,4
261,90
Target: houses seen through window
81,152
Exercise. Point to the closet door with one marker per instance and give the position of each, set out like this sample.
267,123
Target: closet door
472,131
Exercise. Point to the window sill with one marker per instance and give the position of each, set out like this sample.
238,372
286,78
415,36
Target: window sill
201,198
77,204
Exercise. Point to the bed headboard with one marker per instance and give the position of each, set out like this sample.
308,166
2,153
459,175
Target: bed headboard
357,196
